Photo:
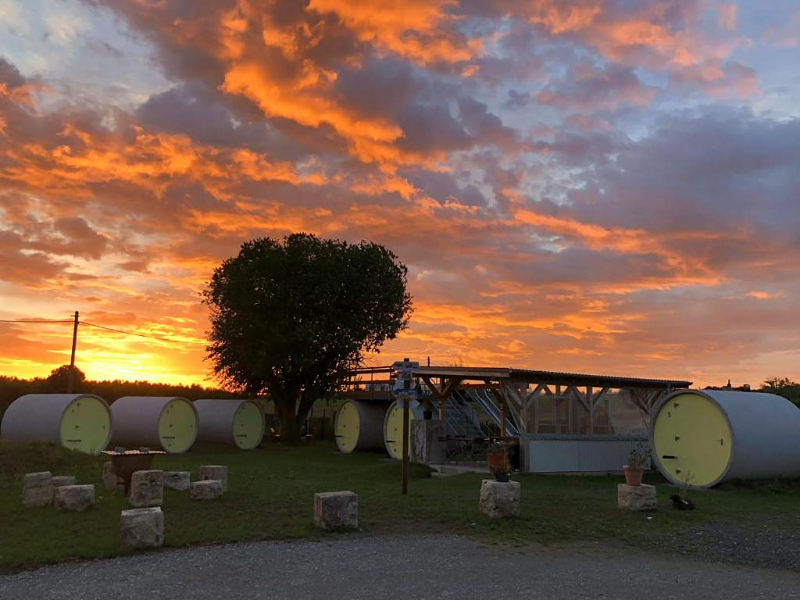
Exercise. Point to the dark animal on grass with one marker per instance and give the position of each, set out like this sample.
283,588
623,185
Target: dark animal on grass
681,503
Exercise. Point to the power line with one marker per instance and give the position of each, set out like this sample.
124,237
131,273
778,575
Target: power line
155,337
121,331
35,321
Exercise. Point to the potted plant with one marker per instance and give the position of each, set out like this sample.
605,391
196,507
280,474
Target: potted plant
634,470
501,471
497,460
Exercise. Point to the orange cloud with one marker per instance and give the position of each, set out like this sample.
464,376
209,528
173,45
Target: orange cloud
686,268
415,30
544,227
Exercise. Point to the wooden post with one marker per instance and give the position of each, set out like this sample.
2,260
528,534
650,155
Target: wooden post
406,385
442,401
503,418
71,378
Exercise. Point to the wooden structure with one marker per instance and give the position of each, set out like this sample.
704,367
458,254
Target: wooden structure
538,402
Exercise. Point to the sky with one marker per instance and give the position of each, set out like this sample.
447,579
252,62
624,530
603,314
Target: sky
597,186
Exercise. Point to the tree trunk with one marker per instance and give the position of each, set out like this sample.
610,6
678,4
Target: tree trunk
292,415
290,428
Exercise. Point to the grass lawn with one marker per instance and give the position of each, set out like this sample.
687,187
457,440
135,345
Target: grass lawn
270,496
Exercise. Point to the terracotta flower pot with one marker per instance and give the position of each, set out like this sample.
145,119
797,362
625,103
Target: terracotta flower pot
495,460
633,475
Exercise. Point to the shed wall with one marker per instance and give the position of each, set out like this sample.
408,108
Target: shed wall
577,454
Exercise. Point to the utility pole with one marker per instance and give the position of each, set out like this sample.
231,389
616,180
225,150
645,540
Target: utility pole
71,379
406,434
404,384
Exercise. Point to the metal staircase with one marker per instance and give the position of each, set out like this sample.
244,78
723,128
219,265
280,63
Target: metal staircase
484,399
460,418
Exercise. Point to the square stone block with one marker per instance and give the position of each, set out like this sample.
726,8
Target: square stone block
177,480
499,499
216,472
206,490
37,489
142,527
110,479
59,480
147,488
336,510
74,498
426,447
636,497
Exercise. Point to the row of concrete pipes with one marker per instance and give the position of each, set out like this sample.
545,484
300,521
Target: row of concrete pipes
86,423
373,425
698,439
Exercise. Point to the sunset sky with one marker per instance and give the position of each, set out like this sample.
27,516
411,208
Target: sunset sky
603,186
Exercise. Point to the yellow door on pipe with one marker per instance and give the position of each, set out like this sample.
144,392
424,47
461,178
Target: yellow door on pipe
692,439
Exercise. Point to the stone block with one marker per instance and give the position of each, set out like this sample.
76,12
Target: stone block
336,510
59,480
142,527
74,497
206,490
110,479
37,489
147,488
499,499
177,480
426,447
215,472
636,497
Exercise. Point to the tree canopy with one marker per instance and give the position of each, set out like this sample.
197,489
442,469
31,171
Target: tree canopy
783,386
291,318
58,380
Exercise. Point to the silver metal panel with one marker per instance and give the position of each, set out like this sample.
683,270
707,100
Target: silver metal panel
576,454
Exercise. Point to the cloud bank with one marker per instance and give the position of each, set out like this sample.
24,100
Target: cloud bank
581,186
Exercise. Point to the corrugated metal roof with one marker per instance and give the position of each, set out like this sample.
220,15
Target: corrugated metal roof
552,377
549,377
608,380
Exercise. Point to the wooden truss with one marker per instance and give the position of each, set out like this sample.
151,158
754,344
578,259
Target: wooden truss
517,391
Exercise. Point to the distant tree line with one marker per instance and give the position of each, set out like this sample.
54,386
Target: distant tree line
783,386
12,388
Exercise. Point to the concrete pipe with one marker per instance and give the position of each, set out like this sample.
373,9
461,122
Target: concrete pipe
80,422
359,425
702,438
238,423
393,426
165,422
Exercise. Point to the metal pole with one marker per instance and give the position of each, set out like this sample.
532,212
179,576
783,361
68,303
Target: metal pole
71,379
406,385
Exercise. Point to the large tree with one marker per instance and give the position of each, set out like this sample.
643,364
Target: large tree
291,319
58,380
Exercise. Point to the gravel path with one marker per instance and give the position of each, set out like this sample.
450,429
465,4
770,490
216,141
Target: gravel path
407,568
760,542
